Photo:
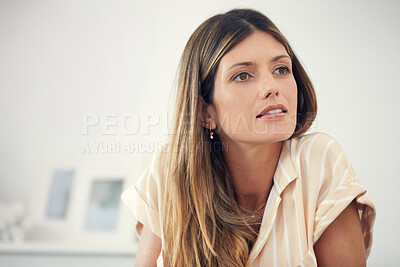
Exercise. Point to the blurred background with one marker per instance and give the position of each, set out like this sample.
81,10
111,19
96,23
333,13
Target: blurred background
86,94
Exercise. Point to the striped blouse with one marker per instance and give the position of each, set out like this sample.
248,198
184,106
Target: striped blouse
313,183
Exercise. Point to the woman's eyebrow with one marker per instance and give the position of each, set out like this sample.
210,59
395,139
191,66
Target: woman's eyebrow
241,64
248,63
279,57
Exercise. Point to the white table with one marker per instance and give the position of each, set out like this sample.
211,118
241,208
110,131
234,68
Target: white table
53,254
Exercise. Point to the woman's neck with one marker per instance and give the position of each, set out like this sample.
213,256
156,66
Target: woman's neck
252,170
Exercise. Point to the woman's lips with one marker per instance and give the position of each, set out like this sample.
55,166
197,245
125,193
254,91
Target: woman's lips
273,116
272,109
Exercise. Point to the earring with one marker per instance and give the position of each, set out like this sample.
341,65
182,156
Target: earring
211,133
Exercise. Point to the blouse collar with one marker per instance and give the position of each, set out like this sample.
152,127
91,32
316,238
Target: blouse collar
285,171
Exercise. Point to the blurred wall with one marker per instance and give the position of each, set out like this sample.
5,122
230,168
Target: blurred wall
66,64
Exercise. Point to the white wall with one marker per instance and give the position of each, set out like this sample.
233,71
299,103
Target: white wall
62,59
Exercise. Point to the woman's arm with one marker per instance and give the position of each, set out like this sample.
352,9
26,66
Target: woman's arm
342,243
149,249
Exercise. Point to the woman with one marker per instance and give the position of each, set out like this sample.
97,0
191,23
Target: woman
239,182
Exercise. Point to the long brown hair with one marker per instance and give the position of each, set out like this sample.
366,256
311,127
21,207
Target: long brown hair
202,223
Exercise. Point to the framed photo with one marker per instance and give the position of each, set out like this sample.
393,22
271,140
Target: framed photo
103,207
59,193
80,202
50,205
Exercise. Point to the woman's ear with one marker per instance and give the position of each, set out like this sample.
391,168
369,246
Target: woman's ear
206,112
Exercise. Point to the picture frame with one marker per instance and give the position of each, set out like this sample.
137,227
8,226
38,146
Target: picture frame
51,222
92,180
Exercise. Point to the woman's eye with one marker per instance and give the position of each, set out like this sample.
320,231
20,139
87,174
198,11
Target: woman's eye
283,70
241,77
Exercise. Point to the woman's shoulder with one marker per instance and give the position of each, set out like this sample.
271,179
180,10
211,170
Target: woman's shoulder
321,137
161,153
317,149
159,162
314,144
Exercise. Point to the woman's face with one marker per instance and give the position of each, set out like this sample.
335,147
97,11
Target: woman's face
255,93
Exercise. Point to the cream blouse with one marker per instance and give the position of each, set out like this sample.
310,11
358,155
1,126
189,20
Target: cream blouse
313,183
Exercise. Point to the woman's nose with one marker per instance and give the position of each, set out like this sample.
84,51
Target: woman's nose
269,88
270,92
